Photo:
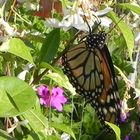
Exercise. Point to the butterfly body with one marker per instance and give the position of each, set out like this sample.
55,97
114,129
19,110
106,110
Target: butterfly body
90,70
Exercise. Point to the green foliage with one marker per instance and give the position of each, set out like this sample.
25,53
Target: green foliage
50,46
58,76
17,47
116,130
63,128
37,120
131,7
5,136
15,96
125,30
31,48
53,138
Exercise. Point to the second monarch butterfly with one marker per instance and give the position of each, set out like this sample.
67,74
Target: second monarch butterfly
90,70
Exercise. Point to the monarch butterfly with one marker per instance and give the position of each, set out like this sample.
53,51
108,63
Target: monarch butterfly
90,70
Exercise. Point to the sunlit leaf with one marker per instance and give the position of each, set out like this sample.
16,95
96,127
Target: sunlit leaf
16,96
116,129
63,128
131,7
5,136
53,138
17,47
125,30
36,120
59,77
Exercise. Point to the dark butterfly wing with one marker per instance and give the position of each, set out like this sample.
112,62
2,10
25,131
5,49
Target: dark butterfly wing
109,101
90,70
109,62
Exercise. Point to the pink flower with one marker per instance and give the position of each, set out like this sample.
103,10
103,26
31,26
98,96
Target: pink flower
44,94
55,98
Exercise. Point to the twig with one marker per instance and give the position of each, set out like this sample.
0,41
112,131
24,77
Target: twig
11,10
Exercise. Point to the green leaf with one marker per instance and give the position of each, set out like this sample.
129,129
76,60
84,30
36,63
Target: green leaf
63,128
116,129
131,7
63,81
5,136
53,138
36,120
125,30
50,46
16,96
17,47
43,136
59,77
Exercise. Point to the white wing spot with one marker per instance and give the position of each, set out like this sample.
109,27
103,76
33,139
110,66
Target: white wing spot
108,99
111,96
111,109
93,94
105,110
100,110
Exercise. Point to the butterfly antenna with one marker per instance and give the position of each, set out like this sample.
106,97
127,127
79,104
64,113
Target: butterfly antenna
98,22
86,21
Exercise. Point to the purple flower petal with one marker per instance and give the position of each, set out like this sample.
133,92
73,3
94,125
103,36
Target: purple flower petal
57,105
56,99
42,101
58,94
44,94
126,138
57,91
43,91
